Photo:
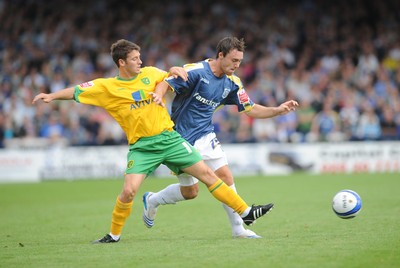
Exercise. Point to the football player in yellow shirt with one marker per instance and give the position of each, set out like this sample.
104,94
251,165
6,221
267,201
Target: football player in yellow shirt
128,98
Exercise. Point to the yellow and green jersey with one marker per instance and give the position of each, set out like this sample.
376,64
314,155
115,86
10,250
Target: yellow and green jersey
128,101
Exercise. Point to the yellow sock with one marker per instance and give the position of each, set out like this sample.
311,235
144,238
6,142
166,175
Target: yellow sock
226,195
120,213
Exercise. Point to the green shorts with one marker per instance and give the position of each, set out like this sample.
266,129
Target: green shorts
168,148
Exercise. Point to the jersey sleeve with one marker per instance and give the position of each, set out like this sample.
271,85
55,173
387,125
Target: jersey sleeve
178,85
239,96
91,92
158,74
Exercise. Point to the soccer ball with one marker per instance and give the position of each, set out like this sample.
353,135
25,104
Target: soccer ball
346,204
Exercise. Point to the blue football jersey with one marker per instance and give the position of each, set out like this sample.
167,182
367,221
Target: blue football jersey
198,98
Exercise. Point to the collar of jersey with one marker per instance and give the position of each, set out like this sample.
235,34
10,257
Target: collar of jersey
124,79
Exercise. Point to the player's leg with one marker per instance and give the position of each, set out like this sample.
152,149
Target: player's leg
214,156
186,189
142,160
123,207
212,153
236,222
175,151
225,194
181,156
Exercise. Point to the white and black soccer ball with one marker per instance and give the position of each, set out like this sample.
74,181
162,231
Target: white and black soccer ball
346,204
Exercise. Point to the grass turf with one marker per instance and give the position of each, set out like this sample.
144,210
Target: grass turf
51,224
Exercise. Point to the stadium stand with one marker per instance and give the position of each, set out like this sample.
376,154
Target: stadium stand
340,59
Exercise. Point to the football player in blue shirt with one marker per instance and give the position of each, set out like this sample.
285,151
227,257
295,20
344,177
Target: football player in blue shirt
211,83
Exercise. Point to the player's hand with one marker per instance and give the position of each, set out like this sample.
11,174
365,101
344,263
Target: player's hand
178,72
42,96
287,107
157,99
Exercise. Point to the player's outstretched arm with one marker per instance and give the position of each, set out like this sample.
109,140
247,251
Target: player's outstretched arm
65,94
287,107
260,111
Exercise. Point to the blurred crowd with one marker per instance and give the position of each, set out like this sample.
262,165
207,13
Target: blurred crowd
339,59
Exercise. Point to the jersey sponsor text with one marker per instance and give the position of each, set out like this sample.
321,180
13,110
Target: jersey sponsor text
205,101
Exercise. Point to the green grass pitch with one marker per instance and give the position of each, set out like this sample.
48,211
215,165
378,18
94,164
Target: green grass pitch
51,224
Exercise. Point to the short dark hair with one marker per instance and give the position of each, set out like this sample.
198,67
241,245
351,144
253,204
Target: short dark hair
121,49
227,44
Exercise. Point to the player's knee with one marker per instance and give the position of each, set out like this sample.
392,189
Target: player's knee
190,192
211,174
226,178
127,195
225,175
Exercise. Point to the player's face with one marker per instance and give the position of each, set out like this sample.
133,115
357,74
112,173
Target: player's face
231,61
132,63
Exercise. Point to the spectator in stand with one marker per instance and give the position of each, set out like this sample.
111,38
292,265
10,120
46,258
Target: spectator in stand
76,135
396,78
305,116
349,115
330,61
223,126
368,63
388,124
35,80
326,124
37,41
2,129
57,82
265,130
383,83
244,134
397,121
286,127
298,84
368,126
52,129
391,61
110,133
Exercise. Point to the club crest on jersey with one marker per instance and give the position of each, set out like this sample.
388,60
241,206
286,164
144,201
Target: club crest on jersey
130,164
226,92
145,81
243,97
86,84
